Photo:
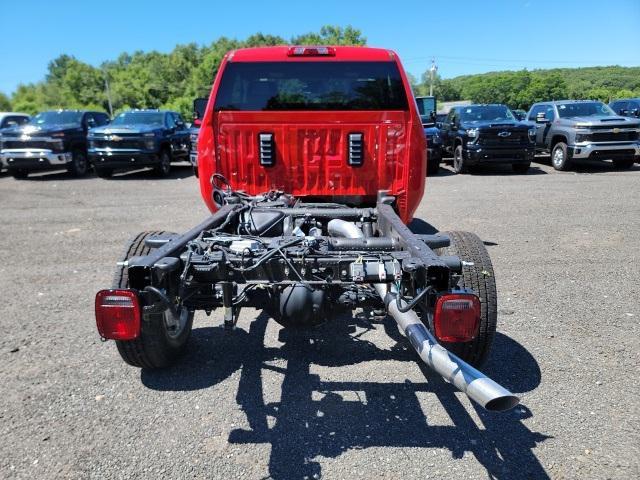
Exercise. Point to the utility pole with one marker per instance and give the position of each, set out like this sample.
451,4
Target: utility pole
432,74
106,87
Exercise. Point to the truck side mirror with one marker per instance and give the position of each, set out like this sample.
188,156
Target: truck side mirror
541,118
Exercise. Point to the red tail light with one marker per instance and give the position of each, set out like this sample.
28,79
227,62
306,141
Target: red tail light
457,317
311,52
118,314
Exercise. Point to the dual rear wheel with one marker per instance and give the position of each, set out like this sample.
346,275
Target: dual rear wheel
477,275
163,336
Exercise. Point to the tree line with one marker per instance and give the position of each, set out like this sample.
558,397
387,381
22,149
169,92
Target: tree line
150,79
520,89
172,80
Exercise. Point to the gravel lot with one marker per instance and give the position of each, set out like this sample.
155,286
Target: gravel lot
347,400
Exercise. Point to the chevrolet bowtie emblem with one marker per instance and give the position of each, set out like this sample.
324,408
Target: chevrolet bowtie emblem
616,130
115,138
504,134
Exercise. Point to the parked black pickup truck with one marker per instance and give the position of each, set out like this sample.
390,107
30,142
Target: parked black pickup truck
139,138
629,107
480,134
50,141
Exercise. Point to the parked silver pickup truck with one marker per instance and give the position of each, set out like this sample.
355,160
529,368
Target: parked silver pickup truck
575,130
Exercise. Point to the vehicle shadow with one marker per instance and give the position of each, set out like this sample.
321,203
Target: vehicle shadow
177,171
496,170
421,227
317,418
588,166
442,172
50,175
182,170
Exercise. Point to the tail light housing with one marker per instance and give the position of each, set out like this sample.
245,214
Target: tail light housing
457,317
118,314
316,51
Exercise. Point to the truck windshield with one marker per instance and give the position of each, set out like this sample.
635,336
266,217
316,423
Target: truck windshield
252,86
56,118
144,118
584,109
485,113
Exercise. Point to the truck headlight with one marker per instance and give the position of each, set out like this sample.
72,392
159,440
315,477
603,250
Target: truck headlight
581,137
532,134
149,144
472,133
194,138
58,145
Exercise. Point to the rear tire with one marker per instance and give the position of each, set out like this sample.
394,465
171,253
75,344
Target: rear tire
157,346
560,157
623,163
433,166
479,278
458,160
79,165
163,169
18,174
520,168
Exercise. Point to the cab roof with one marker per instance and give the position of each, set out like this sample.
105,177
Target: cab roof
281,54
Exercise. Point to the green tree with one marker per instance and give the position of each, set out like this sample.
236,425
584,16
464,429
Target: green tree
331,35
29,98
5,103
600,93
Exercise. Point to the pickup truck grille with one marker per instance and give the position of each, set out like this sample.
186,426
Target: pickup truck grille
21,144
612,137
126,144
492,139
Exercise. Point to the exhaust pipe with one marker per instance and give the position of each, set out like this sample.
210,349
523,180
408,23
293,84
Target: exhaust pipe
478,387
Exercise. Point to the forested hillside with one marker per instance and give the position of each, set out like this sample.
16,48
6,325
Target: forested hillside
522,88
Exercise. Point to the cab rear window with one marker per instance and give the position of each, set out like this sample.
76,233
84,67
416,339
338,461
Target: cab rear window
256,86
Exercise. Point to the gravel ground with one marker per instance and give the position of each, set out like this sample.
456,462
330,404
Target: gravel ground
349,398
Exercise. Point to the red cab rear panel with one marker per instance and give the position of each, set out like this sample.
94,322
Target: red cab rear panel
312,145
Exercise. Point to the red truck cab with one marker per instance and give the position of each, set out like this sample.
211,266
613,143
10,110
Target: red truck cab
331,124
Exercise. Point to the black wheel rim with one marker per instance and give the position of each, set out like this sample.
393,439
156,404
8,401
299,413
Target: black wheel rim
166,164
81,163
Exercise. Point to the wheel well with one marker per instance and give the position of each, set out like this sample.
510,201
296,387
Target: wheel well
165,146
557,139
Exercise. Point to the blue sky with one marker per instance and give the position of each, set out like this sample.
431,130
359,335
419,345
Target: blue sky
464,37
